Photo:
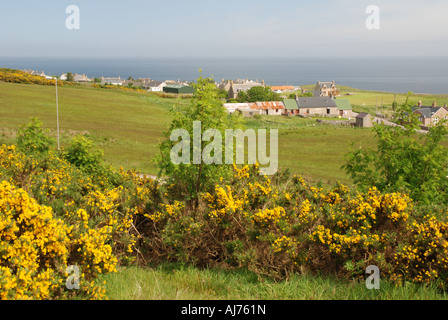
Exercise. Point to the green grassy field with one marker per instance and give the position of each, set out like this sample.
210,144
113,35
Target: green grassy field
171,282
128,126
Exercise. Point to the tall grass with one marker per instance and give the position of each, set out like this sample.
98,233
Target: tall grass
179,282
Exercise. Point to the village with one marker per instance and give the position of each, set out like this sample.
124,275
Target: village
324,101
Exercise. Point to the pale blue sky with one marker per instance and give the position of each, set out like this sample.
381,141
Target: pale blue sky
233,28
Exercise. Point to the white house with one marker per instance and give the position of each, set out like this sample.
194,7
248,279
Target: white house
113,81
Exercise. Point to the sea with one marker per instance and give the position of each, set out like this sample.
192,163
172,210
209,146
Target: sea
388,74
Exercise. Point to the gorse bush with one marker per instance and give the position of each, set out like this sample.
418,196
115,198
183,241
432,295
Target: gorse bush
47,202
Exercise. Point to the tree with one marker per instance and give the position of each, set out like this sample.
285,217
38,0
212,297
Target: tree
404,161
191,178
97,80
83,154
70,77
293,95
259,93
32,139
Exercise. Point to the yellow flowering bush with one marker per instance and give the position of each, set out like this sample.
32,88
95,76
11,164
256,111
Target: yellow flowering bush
36,249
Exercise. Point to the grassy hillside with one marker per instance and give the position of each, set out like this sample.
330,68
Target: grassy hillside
128,126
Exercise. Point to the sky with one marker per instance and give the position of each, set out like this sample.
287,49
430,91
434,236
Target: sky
231,28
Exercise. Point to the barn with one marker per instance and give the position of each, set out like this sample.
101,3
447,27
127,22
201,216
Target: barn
178,89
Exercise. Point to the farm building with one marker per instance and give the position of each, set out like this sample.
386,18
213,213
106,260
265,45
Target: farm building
242,107
320,106
271,108
364,120
291,106
178,89
344,107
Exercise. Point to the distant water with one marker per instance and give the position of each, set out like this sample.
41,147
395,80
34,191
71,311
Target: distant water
419,75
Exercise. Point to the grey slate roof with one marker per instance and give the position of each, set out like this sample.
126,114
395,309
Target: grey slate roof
362,115
428,112
316,102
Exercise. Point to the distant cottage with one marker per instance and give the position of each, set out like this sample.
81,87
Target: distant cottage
326,89
113,81
430,115
320,106
236,88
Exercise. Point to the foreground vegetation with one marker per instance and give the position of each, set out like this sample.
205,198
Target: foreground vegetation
276,229
69,207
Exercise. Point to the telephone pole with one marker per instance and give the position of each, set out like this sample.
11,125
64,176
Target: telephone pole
57,111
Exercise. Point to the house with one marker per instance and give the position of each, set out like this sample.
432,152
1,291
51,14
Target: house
178,89
364,120
326,89
81,78
344,107
154,86
63,77
236,88
430,115
271,108
113,81
291,106
320,106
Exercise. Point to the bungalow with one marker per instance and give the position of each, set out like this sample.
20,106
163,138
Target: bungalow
326,89
344,107
321,106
